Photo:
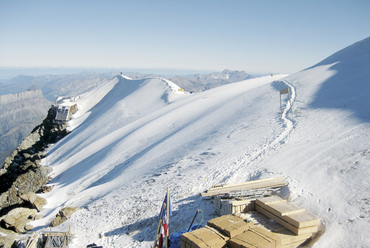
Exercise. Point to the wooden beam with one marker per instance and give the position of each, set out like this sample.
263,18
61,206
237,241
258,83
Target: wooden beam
290,213
168,215
281,208
269,200
156,236
287,237
296,230
256,184
302,220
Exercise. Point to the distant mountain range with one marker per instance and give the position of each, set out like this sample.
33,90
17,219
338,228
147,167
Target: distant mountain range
201,82
76,84
24,100
55,85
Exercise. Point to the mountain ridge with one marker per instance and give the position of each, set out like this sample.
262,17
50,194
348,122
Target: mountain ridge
201,82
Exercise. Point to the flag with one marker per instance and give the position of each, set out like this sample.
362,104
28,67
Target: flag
164,219
164,206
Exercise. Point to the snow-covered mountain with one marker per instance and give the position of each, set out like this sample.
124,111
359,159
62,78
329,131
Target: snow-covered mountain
56,85
73,85
23,105
201,82
79,83
131,139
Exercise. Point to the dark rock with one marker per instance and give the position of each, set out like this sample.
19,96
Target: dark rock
22,172
22,175
45,188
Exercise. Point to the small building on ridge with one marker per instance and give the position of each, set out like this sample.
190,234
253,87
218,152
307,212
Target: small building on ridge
65,110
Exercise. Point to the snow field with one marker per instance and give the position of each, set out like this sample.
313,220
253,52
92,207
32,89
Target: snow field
134,138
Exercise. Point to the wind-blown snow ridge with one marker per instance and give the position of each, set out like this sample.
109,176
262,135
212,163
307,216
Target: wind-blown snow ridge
126,77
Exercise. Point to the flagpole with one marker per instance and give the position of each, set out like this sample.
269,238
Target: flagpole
156,236
168,215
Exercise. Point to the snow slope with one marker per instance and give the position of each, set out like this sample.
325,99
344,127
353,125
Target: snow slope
131,139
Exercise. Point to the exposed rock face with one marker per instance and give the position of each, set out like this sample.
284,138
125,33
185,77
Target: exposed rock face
22,175
63,215
35,200
19,114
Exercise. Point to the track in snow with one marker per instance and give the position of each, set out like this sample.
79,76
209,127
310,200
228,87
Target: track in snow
289,124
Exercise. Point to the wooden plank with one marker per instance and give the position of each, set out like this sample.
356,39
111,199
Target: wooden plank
203,237
302,219
296,216
295,230
256,237
230,225
267,233
277,219
34,239
269,180
288,237
294,244
253,184
269,200
242,206
257,184
283,208
250,184
251,239
299,219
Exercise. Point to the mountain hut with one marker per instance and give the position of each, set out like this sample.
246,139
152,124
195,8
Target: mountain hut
65,111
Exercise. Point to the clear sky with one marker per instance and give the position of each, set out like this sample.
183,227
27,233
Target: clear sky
259,36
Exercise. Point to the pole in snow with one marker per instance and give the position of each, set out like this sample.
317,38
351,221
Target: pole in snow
193,219
286,91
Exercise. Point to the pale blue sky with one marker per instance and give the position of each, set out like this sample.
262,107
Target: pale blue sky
258,36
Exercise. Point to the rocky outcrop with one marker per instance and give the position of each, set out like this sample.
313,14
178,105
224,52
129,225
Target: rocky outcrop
18,218
63,215
22,176
35,200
